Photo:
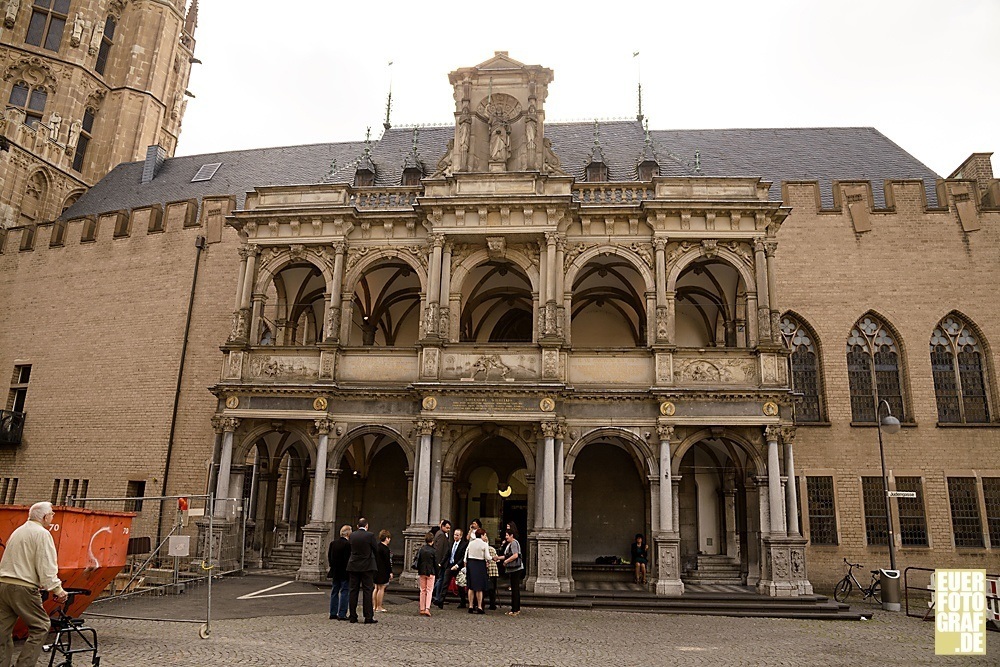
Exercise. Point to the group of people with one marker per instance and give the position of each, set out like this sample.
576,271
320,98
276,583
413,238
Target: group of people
360,566
473,563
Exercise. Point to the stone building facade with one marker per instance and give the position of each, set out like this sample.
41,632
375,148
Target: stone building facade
86,85
591,331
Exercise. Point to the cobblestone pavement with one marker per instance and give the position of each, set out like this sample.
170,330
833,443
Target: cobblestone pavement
538,637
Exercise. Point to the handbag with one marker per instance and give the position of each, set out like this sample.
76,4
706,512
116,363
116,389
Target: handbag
453,587
461,579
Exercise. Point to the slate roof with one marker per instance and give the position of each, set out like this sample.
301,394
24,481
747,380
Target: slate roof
822,154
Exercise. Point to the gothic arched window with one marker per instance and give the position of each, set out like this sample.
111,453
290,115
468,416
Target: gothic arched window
29,100
873,370
957,362
804,362
107,41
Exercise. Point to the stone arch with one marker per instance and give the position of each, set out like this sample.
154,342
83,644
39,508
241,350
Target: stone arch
755,456
338,450
987,357
459,450
273,265
821,408
674,271
640,451
71,198
904,376
257,431
632,257
353,275
461,272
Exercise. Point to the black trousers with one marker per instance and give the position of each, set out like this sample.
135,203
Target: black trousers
515,590
363,582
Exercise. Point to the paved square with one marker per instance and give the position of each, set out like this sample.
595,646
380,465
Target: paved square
294,630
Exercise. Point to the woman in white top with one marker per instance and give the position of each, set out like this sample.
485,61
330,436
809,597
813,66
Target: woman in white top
475,571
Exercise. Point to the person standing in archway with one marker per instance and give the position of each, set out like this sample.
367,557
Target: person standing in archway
362,567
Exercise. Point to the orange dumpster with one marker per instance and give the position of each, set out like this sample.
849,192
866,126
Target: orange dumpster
92,546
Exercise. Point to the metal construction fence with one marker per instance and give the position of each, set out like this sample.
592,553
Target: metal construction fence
918,591
176,546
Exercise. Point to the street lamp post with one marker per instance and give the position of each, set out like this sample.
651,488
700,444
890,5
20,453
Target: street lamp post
891,426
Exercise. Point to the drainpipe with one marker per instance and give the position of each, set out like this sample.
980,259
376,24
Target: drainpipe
200,244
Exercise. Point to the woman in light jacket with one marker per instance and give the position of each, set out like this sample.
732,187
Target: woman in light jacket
475,571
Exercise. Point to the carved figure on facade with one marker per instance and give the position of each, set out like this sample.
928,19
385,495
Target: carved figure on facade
430,362
323,426
55,123
74,134
727,371
798,564
550,363
575,251
662,323
740,250
76,34
444,165
444,321
642,249
710,248
241,325
487,363
551,164
10,16
680,249
34,72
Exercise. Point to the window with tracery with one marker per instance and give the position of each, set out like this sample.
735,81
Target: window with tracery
48,21
30,100
873,370
83,141
804,362
107,40
957,362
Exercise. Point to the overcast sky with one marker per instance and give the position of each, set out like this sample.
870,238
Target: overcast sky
308,71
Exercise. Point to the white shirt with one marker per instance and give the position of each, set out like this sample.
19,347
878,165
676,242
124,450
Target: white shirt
478,550
29,559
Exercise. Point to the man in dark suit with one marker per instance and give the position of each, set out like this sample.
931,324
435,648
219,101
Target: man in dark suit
361,568
441,547
338,555
454,558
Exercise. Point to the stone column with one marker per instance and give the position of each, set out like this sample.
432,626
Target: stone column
447,492
422,481
244,253
257,301
444,317
666,433
316,533
666,541
323,427
661,331
228,426
559,479
732,532
549,430
752,337
331,327
763,299
248,271
771,247
791,488
550,266
543,283
560,291
431,324
774,494
438,443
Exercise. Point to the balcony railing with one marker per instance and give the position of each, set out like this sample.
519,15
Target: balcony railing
11,426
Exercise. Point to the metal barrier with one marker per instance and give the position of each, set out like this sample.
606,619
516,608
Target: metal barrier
176,547
924,595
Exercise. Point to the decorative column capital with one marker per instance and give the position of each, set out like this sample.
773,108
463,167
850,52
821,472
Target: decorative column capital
561,431
217,423
771,247
551,238
436,240
244,251
759,245
323,426
549,429
225,424
666,432
772,433
426,426
788,434
340,247
660,244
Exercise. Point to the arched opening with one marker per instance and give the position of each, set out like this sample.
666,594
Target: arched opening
718,534
373,485
491,485
711,305
293,308
386,309
496,305
610,502
609,308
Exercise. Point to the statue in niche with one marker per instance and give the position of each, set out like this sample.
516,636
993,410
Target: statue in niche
74,133
77,33
531,128
55,122
499,111
11,15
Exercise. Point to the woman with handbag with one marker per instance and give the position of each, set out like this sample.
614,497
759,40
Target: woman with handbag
475,565
514,566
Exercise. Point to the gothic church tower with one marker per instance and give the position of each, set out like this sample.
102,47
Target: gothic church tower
85,84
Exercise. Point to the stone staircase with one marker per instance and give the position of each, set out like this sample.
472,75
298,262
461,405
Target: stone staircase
287,556
713,569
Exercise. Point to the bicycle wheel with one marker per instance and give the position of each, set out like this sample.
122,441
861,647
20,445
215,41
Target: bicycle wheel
877,591
842,590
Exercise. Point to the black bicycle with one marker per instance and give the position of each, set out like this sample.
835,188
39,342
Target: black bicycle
72,637
847,584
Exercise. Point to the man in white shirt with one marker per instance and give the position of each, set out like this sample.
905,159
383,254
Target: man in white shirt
28,567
